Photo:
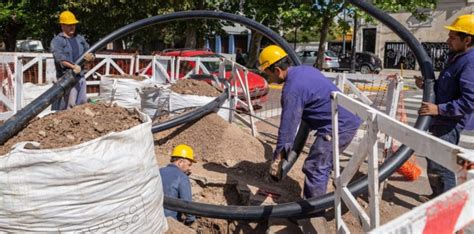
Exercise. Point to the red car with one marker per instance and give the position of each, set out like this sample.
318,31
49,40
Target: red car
258,86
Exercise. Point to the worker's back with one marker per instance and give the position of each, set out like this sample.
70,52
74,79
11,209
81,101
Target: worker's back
176,185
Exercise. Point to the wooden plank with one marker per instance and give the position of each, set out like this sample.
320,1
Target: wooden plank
414,221
353,106
355,208
358,93
373,173
436,149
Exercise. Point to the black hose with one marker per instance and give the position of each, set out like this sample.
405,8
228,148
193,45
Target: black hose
308,207
17,122
293,209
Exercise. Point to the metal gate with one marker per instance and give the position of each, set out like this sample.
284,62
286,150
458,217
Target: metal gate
397,53
438,52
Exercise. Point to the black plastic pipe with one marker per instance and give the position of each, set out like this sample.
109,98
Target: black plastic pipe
293,209
17,122
308,207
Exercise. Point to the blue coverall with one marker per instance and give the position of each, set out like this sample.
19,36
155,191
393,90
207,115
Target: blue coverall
69,49
454,91
306,96
176,184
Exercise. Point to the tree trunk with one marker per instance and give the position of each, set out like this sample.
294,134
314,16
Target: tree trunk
254,49
190,35
322,41
354,44
10,34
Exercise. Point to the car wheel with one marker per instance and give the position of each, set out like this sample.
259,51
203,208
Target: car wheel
364,69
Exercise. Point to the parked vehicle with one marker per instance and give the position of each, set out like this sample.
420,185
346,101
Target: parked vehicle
29,45
308,57
258,86
366,62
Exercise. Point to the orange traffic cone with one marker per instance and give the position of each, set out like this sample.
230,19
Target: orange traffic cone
409,170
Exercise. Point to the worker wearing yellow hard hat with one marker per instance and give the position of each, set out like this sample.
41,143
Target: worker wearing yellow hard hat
454,91
175,179
306,95
67,17
67,47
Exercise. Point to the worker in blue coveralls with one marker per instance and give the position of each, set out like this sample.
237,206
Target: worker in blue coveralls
454,90
175,179
67,47
306,95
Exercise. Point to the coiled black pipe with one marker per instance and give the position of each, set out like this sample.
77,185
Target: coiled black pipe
17,122
294,209
308,207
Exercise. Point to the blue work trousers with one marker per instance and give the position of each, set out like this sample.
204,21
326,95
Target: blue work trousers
447,177
317,167
77,95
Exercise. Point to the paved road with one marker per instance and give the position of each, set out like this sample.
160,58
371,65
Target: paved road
412,103
412,99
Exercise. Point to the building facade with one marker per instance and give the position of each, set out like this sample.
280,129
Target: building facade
431,33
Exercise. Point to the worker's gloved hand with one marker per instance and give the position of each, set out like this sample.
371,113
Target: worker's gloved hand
76,69
191,223
276,167
89,57
419,81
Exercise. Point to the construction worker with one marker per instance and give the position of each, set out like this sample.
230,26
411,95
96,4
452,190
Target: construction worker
306,96
175,179
454,103
67,47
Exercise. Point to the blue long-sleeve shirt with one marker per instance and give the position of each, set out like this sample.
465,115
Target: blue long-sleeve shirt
306,96
454,91
67,49
176,184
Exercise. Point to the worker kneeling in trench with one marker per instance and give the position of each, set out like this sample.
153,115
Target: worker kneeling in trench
176,182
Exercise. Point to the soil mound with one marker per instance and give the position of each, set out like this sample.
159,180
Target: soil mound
77,125
213,140
194,87
129,77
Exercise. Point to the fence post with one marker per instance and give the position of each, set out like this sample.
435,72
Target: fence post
40,69
373,172
18,84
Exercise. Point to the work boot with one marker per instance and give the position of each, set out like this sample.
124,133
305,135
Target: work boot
276,168
436,187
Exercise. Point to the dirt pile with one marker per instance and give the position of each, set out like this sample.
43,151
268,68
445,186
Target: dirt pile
194,87
213,140
129,77
77,125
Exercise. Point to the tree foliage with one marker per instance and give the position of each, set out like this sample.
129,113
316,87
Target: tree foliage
21,19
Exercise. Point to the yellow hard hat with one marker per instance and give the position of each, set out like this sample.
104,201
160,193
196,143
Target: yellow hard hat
183,151
67,17
270,55
464,24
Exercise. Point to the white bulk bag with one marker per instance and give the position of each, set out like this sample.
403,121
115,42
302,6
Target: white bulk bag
179,101
154,99
109,184
124,92
32,91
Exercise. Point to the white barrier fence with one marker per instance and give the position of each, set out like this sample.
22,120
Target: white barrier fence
450,156
164,69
